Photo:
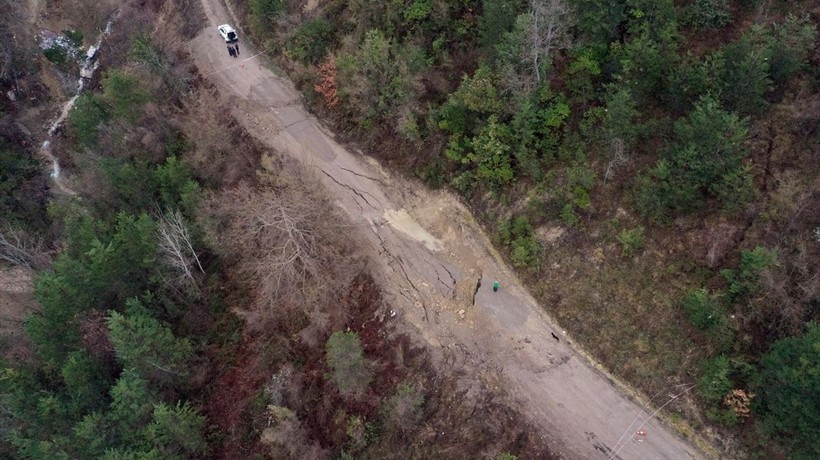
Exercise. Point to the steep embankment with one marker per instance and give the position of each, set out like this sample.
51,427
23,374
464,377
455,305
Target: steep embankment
438,268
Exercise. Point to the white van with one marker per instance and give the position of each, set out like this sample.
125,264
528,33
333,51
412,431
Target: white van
227,33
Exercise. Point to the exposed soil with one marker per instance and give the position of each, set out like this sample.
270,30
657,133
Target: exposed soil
428,262
16,299
241,398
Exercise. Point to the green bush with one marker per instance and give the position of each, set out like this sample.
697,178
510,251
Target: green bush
745,281
264,14
735,189
599,21
525,252
789,51
619,121
704,310
708,14
85,119
518,235
418,11
536,133
497,18
21,178
148,345
723,415
403,410
714,382
568,215
311,41
632,240
479,92
744,78
57,55
487,156
583,72
704,161
491,154
123,93
789,391
75,37
138,186
351,372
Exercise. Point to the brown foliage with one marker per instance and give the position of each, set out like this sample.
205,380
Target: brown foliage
788,290
282,240
287,438
89,17
19,248
221,154
740,402
95,335
327,86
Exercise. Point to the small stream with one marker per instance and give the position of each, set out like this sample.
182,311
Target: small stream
87,70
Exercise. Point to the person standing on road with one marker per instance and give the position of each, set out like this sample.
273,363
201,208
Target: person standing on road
495,286
236,48
231,51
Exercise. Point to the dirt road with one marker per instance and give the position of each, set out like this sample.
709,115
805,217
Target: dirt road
430,255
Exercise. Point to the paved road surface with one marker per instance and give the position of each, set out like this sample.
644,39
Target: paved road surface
430,255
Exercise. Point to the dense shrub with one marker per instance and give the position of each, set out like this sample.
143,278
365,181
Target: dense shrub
789,390
704,161
708,13
311,41
22,190
519,236
714,382
632,240
704,310
745,280
85,119
350,370
264,14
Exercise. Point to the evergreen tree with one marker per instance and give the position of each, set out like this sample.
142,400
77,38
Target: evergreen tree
148,346
789,391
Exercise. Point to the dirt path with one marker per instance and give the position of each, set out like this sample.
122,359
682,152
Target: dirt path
431,255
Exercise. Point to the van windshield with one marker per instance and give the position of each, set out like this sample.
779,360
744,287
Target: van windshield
231,35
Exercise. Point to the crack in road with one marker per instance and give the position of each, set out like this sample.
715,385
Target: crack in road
552,400
358,193
449,287
362,175
294,123
297,101
398,261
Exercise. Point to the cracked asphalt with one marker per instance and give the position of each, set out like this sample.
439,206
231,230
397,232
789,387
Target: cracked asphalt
430,256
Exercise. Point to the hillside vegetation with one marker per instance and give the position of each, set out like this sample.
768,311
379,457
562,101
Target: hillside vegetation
651,167
193,299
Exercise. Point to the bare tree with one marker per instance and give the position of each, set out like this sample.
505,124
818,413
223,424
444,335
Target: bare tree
280,238
549,25
175,245
19,248
537,35
620,157
214,144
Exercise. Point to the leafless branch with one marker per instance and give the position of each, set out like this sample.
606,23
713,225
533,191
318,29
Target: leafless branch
175,245
550,22
279,239
620,157
20,249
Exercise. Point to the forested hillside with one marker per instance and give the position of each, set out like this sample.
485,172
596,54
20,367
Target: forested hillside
193,299
651,167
